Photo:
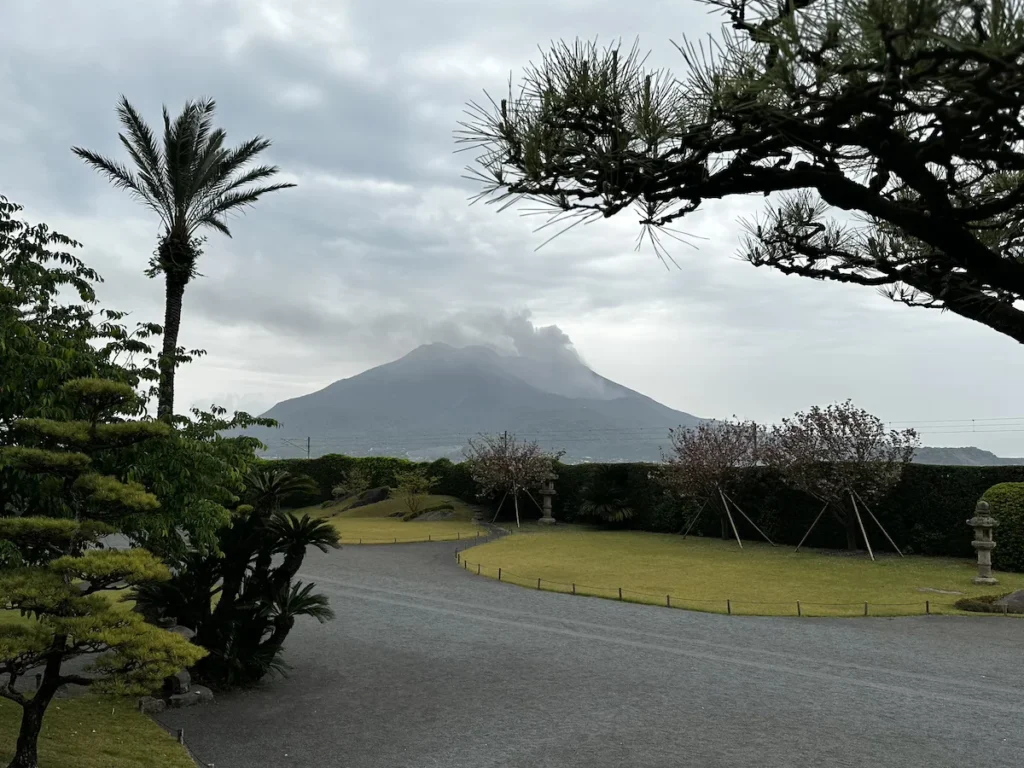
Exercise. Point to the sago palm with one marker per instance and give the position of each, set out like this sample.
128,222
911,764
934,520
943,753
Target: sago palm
191,181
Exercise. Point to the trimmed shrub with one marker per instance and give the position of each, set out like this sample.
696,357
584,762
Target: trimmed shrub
1006,505
984,604
924,513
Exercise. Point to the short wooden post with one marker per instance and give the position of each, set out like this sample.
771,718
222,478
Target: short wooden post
668,601
927,607
574,588
1006,609
799,611
465,564
499,574
181,735
728,607
538,583
428,537
396,539
39,681
360,541
458,535
620,593
478,569
458,557
865,609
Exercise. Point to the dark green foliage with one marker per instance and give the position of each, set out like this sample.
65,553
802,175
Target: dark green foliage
925,513
984,604
1006,505
38,540
252,578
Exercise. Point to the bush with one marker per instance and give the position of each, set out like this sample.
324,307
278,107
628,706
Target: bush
1006,505
984,604
443,507
924,513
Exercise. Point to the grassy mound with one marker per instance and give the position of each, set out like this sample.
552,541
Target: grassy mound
385,523
715,575
94,732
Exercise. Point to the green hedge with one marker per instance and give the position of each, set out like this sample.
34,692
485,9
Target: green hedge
925,513
1006,504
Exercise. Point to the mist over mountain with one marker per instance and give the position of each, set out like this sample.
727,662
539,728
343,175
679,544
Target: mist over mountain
966,456
428,403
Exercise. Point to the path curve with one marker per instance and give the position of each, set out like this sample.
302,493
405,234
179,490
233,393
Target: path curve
428,666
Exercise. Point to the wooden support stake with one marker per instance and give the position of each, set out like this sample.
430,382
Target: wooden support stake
728,607
927,607
863,532
465,564
732,522
865,609
799,611
478,569
812,527
668,601
574,588
880,526
458,535
737,506
428,537
498,510
695,518
620,593
499,574
538,583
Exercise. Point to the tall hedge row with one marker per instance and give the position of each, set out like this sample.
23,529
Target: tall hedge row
925,514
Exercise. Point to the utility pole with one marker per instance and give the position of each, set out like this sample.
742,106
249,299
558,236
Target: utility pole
307,447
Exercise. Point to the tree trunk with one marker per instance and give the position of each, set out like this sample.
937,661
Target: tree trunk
26,753
174,291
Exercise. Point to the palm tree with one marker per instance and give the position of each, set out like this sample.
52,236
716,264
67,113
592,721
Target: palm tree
192,182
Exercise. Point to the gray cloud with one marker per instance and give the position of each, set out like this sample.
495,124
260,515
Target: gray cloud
378,249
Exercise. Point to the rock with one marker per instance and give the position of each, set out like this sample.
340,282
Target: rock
198,695
150,706
178,684
371,496
182,630
1013,602
202,693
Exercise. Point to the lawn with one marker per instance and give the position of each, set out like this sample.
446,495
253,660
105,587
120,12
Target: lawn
703,574
94,732
374,524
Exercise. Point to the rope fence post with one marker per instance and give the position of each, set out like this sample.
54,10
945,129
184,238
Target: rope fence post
728,607
865,609
799,611
181,735
428,537
927,607
360,541
465,564
620,593
458,535
499,574
538,583
396,539
668,601
478,569
574,588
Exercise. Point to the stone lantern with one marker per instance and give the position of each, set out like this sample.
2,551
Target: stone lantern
983,523
547,492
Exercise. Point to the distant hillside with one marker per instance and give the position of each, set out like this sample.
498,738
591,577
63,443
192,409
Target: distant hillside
427,404
969,456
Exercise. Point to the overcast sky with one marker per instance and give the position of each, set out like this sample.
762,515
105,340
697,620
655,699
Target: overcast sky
378,250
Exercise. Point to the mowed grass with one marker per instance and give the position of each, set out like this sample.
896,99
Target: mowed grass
374,524
703,574
94,732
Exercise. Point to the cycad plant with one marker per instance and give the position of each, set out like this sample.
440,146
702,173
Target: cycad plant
192,181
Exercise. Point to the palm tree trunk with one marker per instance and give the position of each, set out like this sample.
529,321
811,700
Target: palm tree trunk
174,291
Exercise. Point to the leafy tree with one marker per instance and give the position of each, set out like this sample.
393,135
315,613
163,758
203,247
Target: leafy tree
191,181
706,461
906,113
51,331
412,485
502,464
257,601
54,570
355,482
839,454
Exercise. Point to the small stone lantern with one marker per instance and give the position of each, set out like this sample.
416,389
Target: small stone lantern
547,492
983,523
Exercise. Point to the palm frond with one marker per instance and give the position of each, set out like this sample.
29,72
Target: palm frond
232,201
141,145
299,601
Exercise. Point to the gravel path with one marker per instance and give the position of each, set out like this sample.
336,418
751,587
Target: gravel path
430,666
